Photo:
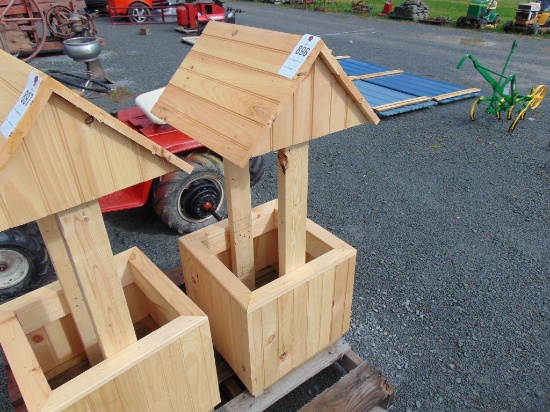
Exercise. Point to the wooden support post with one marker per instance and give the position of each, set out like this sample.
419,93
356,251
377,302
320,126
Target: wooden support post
92,262
293,184
239,209
59,255
24,365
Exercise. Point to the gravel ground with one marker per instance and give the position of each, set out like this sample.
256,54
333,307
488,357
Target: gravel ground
450,217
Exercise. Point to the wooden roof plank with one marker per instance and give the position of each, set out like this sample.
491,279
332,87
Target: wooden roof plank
227,96
255,81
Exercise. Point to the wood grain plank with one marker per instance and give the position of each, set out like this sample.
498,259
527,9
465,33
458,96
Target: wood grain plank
106,398
258,367
303,110
339,300
92,260
178,384
300,324
314,291
349,293
255,107
60,257
285,319
131,392
270,342
246,78
195,368
23,363
325,308
154,383
292,212
359,391
239,209
321,100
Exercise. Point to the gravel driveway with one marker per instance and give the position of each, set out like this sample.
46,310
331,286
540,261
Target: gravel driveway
450,217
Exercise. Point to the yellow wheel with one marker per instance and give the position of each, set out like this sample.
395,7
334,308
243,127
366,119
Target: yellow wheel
521,116
472,110
498,115
538,96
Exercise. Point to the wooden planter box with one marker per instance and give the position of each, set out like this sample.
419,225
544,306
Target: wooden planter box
170,367
266,333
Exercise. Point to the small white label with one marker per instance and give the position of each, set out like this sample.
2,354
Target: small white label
21,105
298,56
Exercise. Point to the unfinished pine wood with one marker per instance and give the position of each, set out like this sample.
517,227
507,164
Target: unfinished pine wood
293,182
92,260
246,402
145,376
228,95
24,365
66,151
59,255
267,333
373,75
239,210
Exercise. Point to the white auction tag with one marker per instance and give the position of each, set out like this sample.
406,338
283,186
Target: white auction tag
298,56
21,105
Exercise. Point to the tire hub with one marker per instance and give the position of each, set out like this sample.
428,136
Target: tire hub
201,200
13,268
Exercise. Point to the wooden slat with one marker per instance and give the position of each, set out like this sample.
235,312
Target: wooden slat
159,289
325,307
359,391
373,75
298,277
270,341
180,390
131,392
92,260
314,292
303,111
300,324
23,363
454,94
247,403
120,362
195,368
246,78
293,183
60,257
255,107
285,327
321,99
274,40
239,209
402,103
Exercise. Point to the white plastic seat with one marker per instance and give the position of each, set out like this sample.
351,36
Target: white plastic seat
146,101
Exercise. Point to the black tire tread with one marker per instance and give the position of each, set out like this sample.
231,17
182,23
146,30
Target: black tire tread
35,252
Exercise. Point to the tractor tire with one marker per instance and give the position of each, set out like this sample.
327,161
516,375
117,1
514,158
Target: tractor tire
461,22
481,24
23,263
496,22
138,12
534,29
180,198
256,169
508,26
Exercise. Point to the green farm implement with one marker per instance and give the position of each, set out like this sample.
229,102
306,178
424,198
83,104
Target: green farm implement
505,96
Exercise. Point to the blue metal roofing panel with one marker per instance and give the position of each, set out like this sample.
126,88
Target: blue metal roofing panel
357,68
415,85
378,96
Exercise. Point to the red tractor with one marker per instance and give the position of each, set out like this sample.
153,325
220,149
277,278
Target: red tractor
185,202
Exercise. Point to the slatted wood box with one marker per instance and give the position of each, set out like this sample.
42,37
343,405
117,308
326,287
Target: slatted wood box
170,369
266,333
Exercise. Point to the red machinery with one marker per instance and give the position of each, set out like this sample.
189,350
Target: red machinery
195,16
30,26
